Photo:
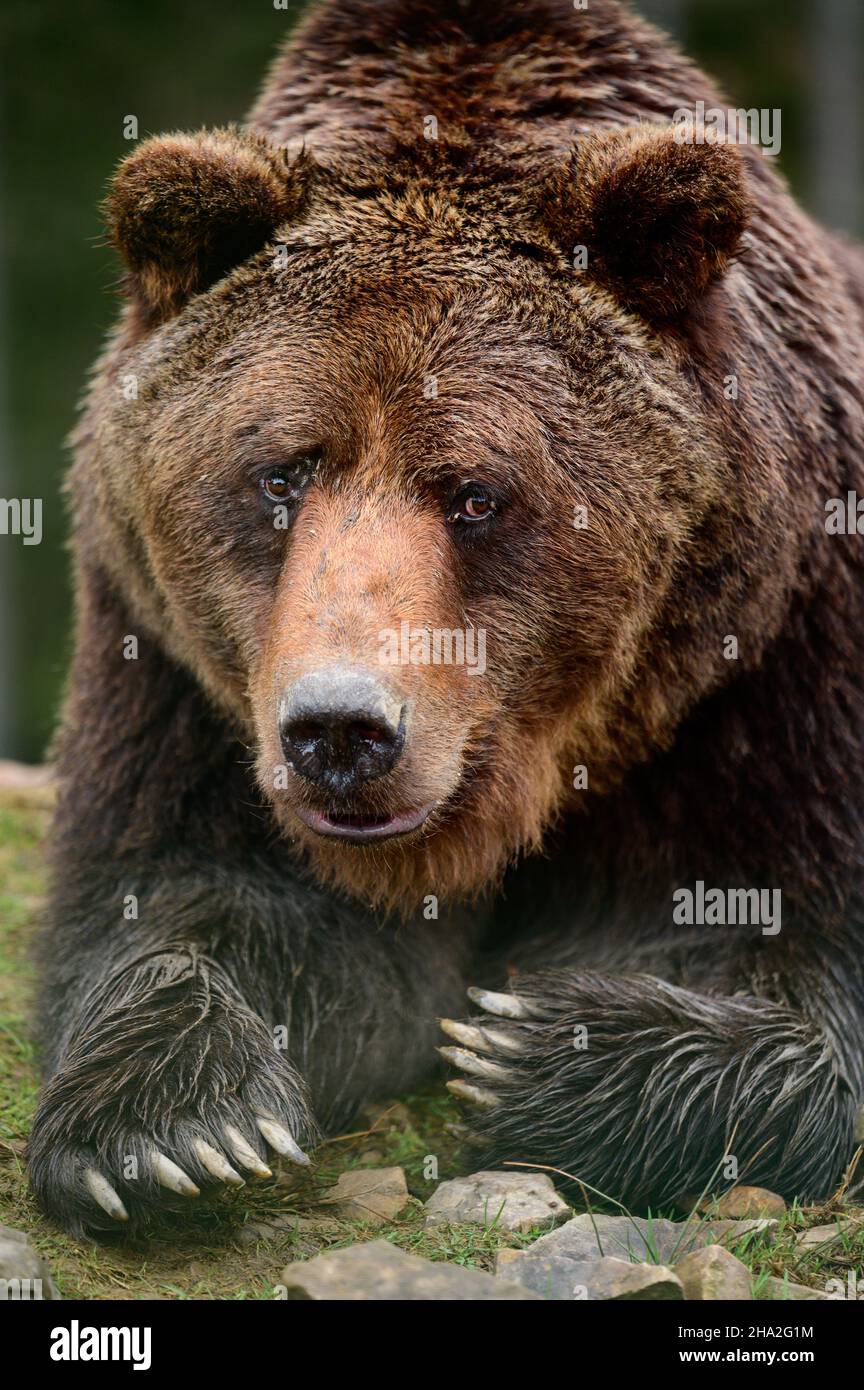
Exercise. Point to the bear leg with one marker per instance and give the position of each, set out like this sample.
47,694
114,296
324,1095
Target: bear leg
642,1091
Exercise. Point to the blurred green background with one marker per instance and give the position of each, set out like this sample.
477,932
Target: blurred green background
72,71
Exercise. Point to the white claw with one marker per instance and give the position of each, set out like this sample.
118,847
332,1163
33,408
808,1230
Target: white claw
279,1139
474,1095
170,1176
245,1154
502,1005
465,1033
474,1066
102,1192
480,1039
503,1041
216,1165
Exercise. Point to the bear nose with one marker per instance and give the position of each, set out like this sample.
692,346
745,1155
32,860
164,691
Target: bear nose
341,728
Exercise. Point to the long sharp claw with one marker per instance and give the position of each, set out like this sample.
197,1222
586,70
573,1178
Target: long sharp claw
474,1095
170,1176
465,1033
217,1166
480,1039
245,1154
503,1041
102,1192
474,1066
279,1139
502,1005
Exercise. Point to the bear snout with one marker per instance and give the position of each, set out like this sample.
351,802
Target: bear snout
341,728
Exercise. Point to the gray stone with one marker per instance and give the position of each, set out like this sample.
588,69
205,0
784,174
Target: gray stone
547,1266
588,1237
602,1280
23,1272
825,1235
380,1271
373,1195
509,1201
712,1274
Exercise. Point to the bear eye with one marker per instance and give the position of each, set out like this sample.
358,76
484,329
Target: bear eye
282,485
474,502
276,486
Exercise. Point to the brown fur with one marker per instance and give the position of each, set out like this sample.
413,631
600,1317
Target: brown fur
422,248
185,209
662,218
293,291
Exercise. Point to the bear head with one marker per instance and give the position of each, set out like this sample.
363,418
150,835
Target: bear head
410,467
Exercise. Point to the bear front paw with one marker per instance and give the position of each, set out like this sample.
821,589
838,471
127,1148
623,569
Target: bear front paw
170,1087
91,1176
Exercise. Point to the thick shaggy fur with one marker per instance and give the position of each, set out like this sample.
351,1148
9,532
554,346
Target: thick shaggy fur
294,287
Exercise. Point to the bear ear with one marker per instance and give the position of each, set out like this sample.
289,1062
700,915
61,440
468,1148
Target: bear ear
659,212
183,210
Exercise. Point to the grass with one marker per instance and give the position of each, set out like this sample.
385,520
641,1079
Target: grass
237,1247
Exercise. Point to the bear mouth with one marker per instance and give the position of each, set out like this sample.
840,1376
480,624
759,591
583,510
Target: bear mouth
360,829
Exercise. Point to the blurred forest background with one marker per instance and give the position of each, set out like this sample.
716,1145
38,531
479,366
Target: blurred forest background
70,74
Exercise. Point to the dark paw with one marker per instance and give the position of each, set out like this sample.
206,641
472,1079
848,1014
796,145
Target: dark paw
640,1090
81,1184
91,1175
537,1091
183,1093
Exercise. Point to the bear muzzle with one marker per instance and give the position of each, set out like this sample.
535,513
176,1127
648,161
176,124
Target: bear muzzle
341,728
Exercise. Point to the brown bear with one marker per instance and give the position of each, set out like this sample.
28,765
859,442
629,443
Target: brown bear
457,601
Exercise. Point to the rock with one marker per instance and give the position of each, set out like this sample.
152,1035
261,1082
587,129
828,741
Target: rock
503,1258
712,1273
23,1272
374,1195
782,1290
590,1236
617,1279
742,1202
602,1280
508,1201
824,1235
547,1265
380,1271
